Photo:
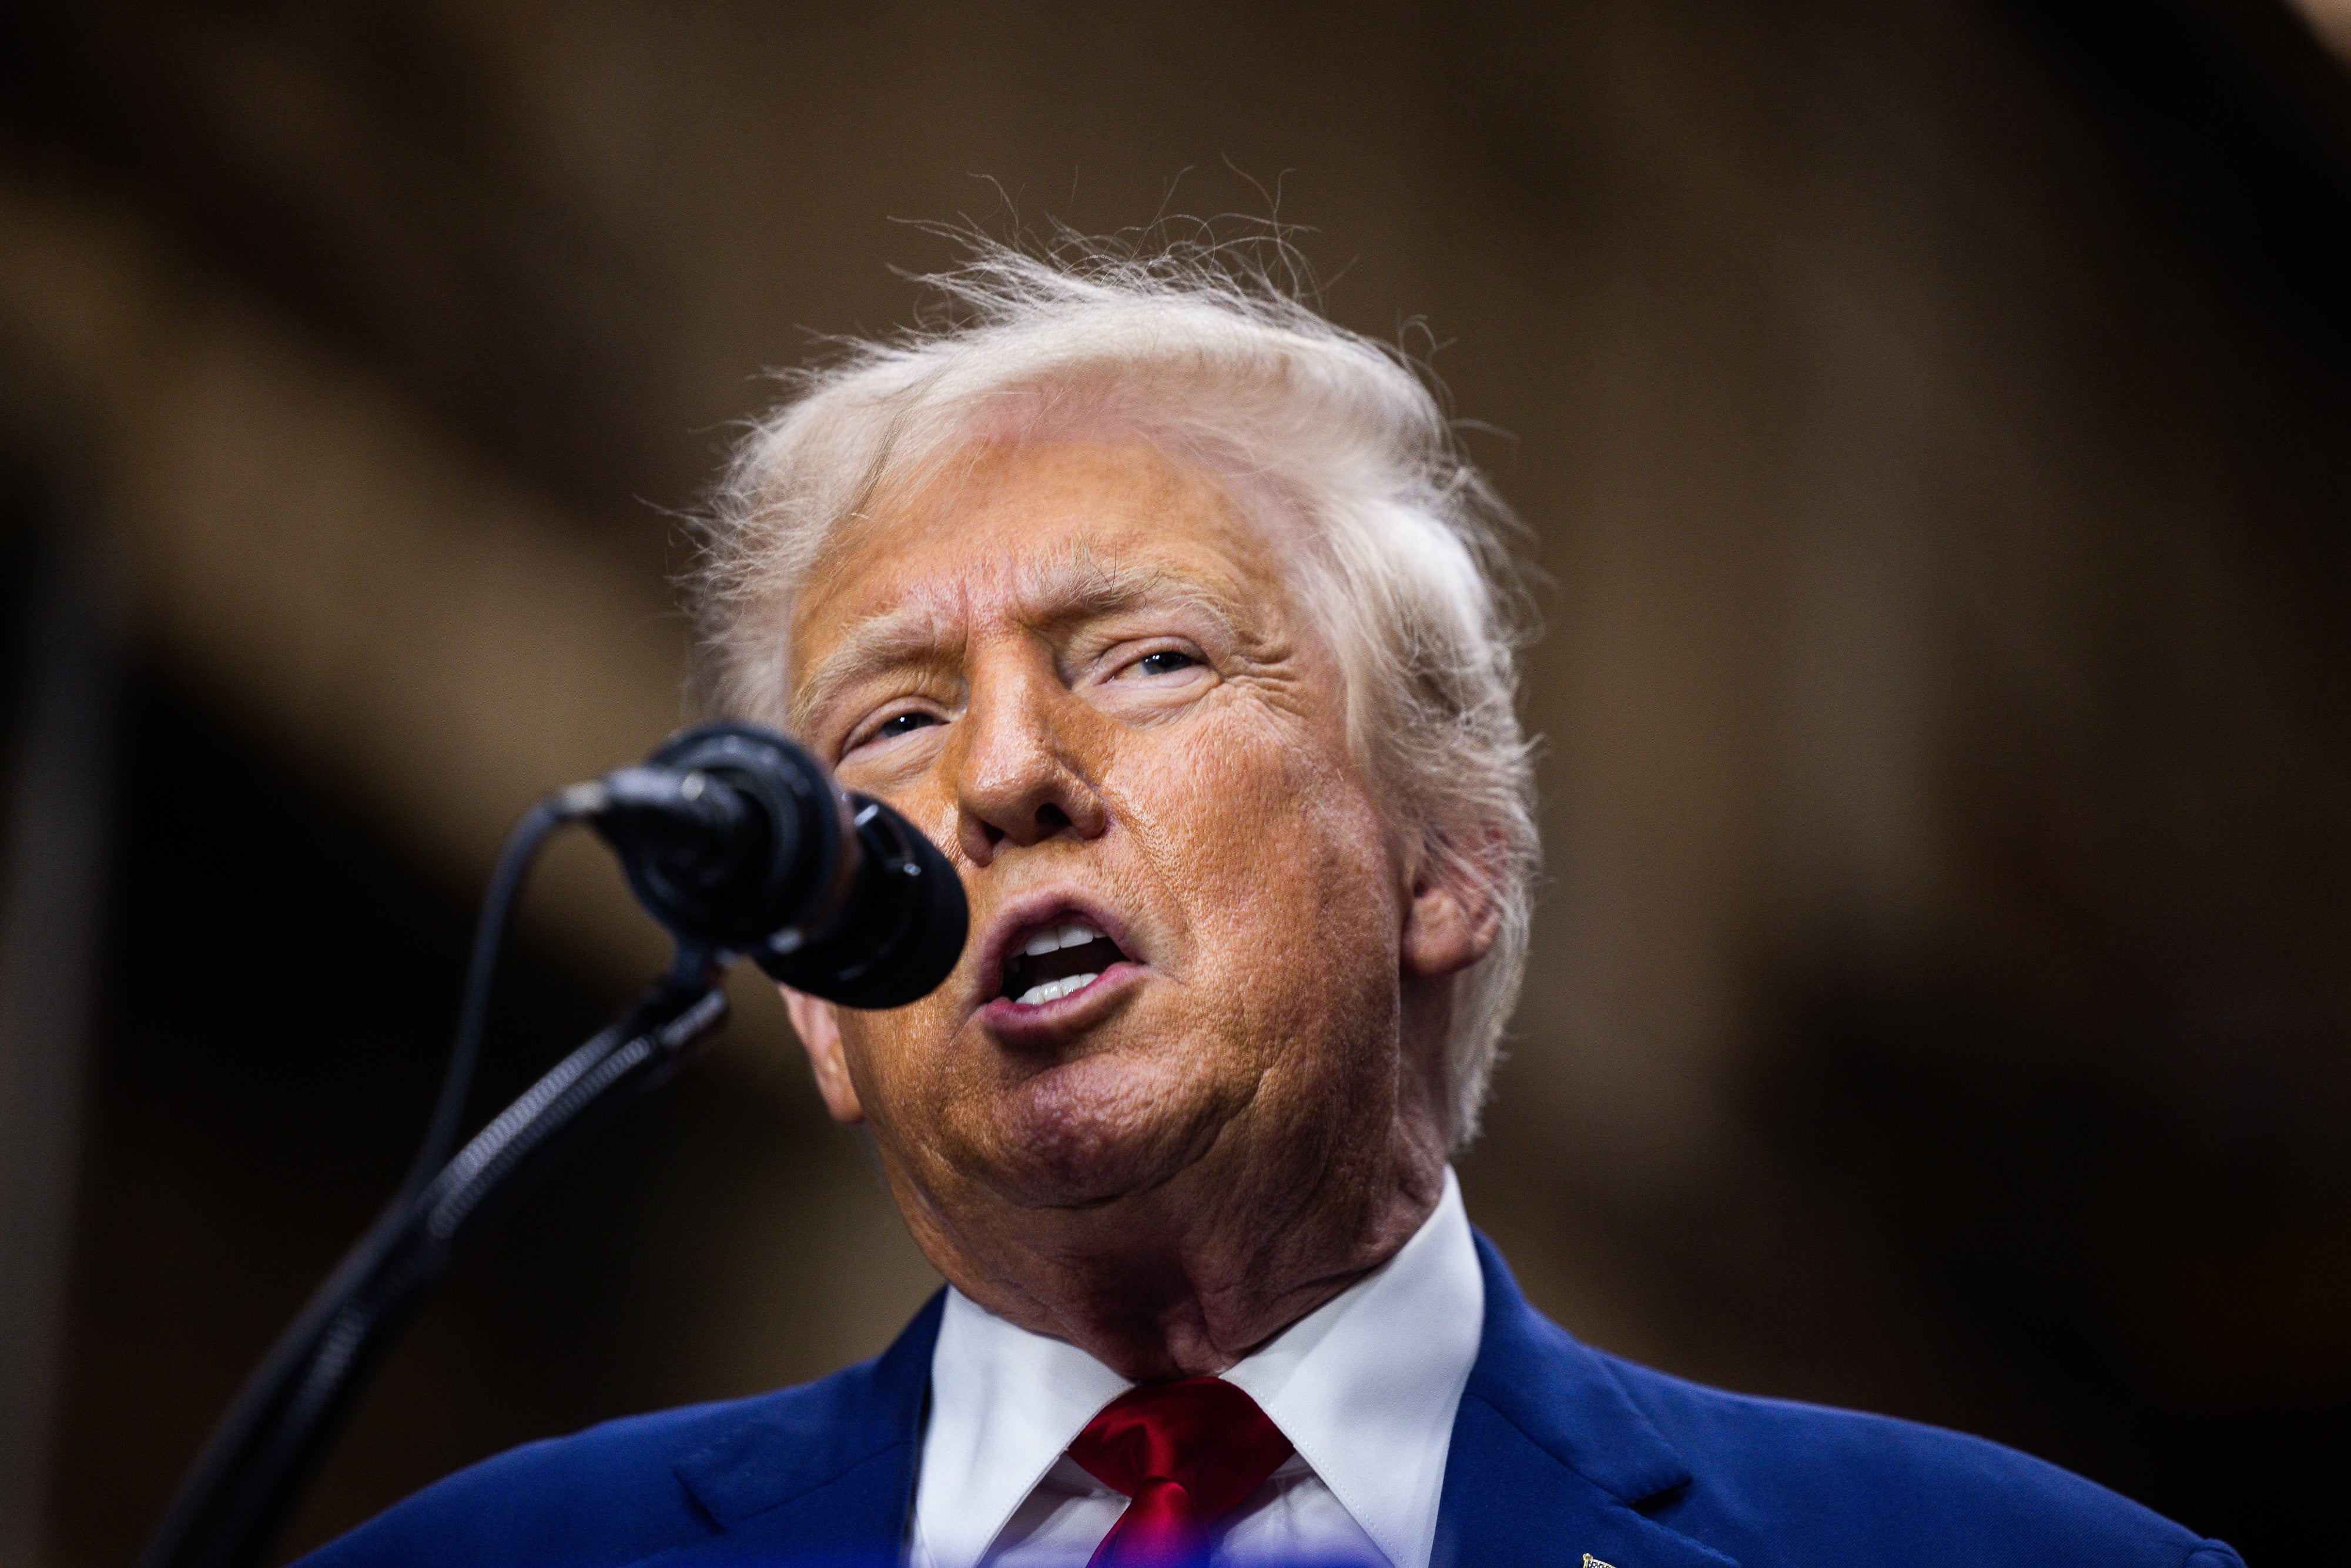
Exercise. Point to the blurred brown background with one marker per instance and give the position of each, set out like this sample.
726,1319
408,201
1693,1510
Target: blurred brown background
1931,419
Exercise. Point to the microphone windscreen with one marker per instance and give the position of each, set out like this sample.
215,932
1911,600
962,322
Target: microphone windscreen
904,928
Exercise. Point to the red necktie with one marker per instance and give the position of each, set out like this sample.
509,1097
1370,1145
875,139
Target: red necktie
1186,1455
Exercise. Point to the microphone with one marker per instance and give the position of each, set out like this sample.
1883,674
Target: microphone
739,842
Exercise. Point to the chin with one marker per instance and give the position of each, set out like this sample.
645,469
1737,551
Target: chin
1099,1129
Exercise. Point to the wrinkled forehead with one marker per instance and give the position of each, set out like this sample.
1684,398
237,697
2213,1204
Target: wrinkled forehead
1040,532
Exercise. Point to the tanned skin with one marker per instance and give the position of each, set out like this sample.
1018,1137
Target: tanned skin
1084,672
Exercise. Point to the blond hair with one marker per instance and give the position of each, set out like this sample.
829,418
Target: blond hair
1399,542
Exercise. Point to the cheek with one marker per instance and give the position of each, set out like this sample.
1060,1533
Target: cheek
893,1060
1279,869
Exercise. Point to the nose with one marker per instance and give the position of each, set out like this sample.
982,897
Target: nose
1020,780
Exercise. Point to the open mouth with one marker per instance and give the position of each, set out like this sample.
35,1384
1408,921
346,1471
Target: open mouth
1058,960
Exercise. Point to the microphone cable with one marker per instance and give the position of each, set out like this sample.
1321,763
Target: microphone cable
530,832
740,843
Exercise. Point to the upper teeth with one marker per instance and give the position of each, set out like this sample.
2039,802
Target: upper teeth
1053,938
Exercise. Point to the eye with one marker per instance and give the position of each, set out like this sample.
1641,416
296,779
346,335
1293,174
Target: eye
1166,661
896,724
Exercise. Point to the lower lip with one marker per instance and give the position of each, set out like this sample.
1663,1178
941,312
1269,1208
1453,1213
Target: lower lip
1005,1014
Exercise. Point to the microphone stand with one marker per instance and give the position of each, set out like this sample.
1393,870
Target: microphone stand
229,1509
740,844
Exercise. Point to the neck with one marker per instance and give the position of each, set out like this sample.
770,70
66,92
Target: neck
1185,1280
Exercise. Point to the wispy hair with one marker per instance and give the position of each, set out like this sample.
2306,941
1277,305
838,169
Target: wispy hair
1335,443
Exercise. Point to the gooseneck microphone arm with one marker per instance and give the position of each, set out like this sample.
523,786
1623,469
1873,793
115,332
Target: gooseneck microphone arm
252,1472
739,842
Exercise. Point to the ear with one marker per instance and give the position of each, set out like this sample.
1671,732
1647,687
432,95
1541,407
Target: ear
819,1026
1446,927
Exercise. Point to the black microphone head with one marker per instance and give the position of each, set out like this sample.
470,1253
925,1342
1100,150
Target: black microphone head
740,841
901,931
784,853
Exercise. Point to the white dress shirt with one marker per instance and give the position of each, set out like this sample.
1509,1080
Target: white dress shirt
1365,1385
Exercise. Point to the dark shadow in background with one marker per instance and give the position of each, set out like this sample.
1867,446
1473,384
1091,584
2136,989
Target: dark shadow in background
2135,1131
280,982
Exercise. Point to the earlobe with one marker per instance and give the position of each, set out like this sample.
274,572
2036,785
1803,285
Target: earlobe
819,1026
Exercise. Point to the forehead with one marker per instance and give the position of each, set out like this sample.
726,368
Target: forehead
1033,533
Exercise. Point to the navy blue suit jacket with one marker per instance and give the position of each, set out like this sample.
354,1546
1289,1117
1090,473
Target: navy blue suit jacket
1559,1451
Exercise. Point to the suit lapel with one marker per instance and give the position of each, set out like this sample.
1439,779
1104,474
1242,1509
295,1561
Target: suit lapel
824,1474
1550,1460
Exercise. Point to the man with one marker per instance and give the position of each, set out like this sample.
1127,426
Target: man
1170,612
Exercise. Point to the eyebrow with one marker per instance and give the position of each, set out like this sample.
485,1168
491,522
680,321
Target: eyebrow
1056,591
905,634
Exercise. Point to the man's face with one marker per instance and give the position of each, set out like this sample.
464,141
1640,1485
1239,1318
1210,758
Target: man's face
1084,672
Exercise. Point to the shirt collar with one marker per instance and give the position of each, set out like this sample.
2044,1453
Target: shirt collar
1366,1387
